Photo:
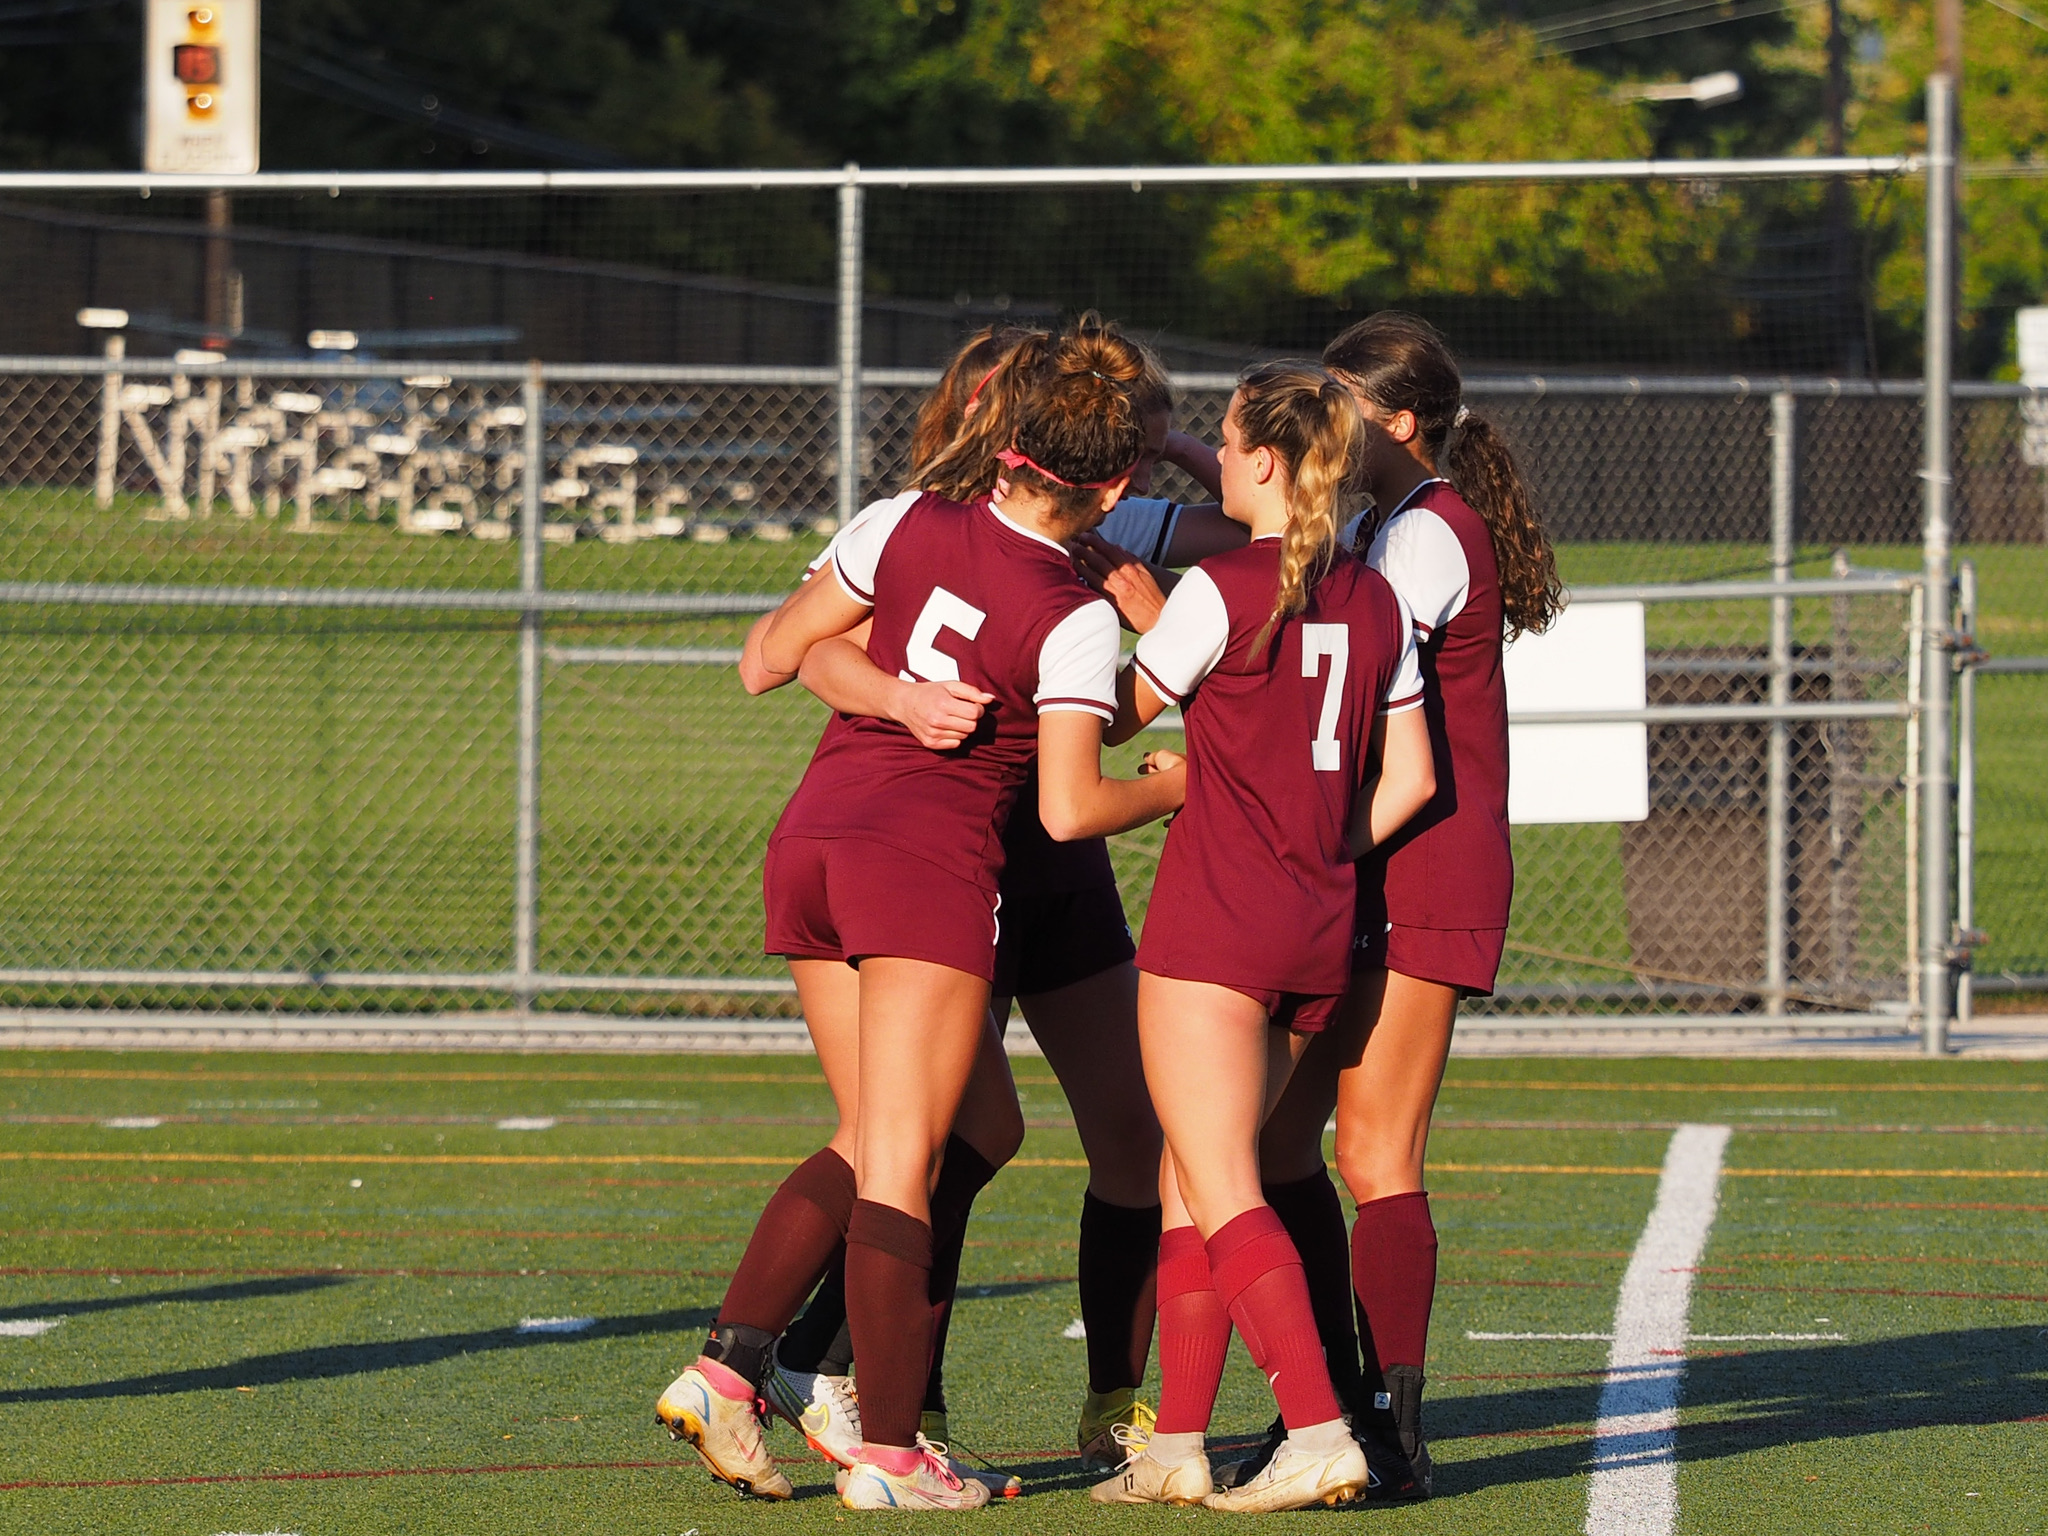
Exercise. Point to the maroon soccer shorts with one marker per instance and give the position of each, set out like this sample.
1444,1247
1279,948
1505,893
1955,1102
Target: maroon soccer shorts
1306,1013
844,898
1465,958
1054,939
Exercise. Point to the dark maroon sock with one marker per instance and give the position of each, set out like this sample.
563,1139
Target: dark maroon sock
1314,1217
888,1303
1194,1334
1393,1266
1119,1270
1258,1278
794,1242
806,1344
964,1174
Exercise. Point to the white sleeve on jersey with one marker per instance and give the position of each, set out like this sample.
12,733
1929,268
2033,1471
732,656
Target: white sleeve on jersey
1189,639
1404,688
1423,562
1077,662
1142,524
856,549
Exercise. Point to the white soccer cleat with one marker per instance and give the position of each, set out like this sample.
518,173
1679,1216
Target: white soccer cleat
1296,1479
821,1408
931,1484
726,1433
1145,1480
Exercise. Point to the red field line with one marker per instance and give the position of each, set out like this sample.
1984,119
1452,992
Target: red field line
1563,1432
1551,1085
352,1272
344,1474
1862,1258
1833,1127
1543,1285
1870,1290
337,1234
1919,1205
108,1074
1525,1376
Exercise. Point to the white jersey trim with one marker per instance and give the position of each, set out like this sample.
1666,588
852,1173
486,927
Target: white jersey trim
856,550
1424,562
1192,633
1077,662
1404,688
1014,526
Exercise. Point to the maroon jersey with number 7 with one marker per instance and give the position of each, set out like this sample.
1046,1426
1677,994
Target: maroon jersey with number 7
1254,888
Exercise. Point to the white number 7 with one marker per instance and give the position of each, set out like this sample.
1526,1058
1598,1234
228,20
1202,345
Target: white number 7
1333,641
942,610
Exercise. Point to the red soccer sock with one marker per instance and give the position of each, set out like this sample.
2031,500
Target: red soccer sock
1194,1334
794,1242
888,1277
1259,1279
1393,1267
1314,1218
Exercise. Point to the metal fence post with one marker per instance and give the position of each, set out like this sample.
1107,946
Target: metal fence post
850,199
526,861
1934,614
1966,786
110,423
1777,877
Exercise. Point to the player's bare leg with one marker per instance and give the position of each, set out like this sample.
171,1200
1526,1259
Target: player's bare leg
712,1403
1384,1105
922,1028
1089,1033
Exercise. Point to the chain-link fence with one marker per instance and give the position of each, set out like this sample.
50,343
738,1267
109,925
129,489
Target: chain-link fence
266,632
341,681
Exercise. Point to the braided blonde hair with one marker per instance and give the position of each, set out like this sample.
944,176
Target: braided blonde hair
1306,416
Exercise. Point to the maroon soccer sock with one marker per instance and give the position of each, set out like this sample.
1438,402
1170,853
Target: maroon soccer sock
1258,1277
1314,1217
1194,1334
807,1344
1119,1271
1393,1266
888,1303
794,1242
964,1174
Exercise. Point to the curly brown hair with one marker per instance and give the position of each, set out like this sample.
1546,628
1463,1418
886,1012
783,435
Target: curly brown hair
1400,363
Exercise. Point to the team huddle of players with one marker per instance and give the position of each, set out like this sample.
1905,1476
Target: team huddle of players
1337,877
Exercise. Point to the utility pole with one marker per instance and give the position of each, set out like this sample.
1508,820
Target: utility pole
1843,270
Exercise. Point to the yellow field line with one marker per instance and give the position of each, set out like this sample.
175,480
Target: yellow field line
682,1160
1545,1085
111,1075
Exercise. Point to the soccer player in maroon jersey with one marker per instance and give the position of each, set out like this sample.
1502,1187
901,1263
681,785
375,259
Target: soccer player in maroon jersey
1294,666
1065,950
1466,552
887,859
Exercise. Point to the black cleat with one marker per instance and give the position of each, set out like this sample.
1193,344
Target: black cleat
1236,1474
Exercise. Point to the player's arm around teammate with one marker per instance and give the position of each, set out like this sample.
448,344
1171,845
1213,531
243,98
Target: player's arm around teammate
1289,659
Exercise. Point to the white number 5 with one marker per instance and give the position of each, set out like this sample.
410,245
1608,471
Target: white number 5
942,610
1333,641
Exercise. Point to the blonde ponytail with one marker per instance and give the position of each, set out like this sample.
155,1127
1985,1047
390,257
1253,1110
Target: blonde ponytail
1307,417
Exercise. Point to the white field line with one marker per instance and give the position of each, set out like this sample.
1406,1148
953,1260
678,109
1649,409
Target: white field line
527,1123
1691,1338
27,1327
1635,1441
556,1324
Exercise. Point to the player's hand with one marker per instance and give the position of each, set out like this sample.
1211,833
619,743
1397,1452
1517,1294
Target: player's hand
940,715
1162,762
1121,577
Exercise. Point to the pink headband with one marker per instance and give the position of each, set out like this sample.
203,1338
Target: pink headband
976,395
1015,460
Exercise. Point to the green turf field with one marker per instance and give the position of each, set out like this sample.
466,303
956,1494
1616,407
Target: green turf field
236,790
291,1291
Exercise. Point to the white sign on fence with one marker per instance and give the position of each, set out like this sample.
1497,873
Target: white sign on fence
200,95
1591,658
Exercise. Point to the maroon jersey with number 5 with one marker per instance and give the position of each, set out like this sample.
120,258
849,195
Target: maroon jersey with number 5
1254,888
959,592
